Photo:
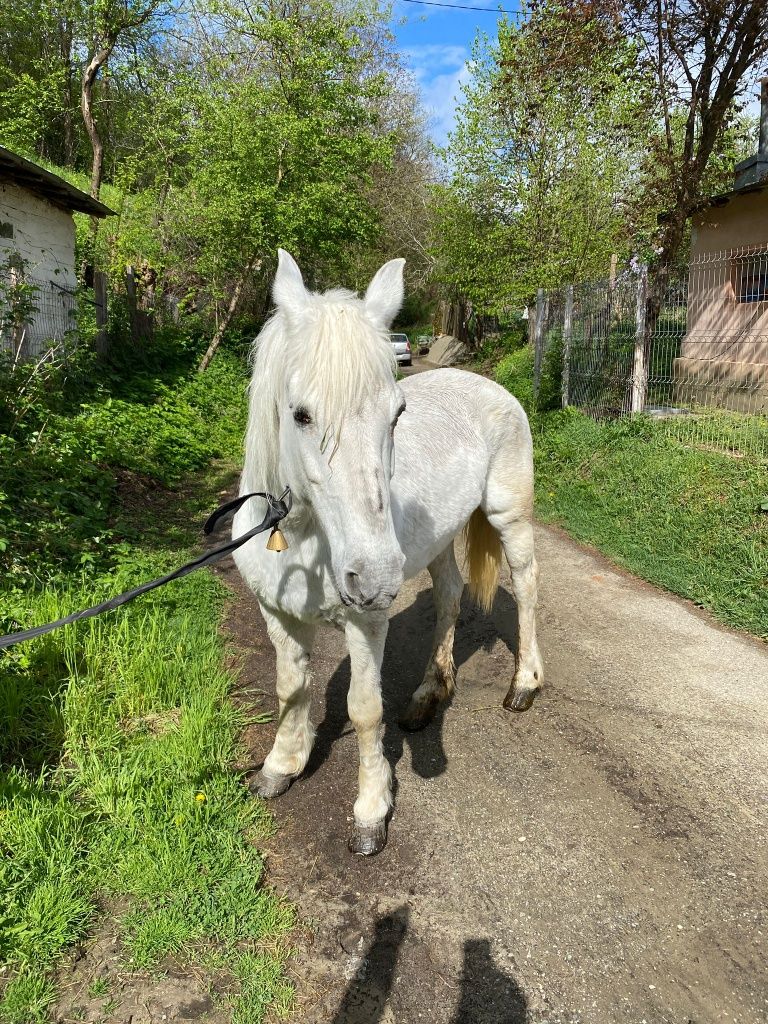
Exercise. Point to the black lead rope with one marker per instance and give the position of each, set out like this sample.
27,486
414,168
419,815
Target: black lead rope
278,509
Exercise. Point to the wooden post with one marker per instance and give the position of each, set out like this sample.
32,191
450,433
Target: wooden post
100,303
639,369
538,339
130,291
567,335
445,316
141,327
612,275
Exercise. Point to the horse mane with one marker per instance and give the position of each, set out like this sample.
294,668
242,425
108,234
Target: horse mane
338,356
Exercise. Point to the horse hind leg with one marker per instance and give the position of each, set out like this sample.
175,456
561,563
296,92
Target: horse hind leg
440,676
517,540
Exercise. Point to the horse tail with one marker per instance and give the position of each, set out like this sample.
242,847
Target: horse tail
483,559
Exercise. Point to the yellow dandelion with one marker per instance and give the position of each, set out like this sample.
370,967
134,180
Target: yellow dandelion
200,798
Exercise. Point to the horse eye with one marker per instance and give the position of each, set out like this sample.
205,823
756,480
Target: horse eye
302,417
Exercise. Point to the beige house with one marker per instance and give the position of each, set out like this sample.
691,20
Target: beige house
725,350
37,247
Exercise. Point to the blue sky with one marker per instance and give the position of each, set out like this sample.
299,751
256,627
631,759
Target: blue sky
436,44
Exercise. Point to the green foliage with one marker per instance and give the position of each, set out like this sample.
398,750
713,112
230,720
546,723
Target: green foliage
118,735
281,154
677,514
69,434
515,373
546,140
229,130
18,303
144,806
26,1000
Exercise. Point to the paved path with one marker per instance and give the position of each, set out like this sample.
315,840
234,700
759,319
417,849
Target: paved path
600,859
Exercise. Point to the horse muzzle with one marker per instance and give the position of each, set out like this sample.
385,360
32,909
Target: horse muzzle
361,586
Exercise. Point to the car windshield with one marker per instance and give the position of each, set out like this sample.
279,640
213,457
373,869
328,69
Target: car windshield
398,337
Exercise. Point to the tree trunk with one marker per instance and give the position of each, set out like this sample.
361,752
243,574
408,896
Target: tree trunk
65,36
659,274
231,310
96,63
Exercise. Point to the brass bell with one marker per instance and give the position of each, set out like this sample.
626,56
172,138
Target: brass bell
277,541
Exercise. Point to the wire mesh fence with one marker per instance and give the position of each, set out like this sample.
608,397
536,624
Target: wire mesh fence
692,352
34,315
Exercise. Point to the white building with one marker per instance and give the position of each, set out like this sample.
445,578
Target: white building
37,248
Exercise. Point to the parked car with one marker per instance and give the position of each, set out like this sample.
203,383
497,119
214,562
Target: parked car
402,349
424,344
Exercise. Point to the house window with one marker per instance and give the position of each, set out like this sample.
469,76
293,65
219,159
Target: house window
6,229
751,284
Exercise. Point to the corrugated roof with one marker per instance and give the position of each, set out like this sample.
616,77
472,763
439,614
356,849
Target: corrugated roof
23,172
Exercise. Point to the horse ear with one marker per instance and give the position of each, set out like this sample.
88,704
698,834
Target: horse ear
288,289
385,293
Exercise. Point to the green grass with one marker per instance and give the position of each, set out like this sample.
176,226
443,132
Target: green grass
677,512
117,745
686,519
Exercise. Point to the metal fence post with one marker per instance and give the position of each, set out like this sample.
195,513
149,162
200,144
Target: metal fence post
639,369
538,340
567,335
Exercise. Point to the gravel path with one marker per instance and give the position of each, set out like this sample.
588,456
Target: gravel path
599,859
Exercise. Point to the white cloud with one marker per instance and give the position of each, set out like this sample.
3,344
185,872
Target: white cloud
434,55
440,71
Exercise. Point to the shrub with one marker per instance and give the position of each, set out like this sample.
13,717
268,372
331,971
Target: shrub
515,373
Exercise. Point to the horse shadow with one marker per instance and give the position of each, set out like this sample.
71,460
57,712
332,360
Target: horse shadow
407,653
486,994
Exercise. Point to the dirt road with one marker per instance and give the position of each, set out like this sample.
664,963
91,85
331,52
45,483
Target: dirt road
599,859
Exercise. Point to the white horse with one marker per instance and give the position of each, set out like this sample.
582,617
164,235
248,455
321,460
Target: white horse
384,475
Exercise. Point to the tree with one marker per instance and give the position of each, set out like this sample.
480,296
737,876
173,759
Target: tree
545,148
110,21
700,57
277,138
218,131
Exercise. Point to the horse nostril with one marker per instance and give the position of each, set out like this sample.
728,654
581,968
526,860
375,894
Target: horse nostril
352,586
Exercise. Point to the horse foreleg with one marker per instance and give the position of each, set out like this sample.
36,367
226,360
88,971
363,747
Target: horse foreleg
517,540
292,640
366,636
440,676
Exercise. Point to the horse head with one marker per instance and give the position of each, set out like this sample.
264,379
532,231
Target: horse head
336,404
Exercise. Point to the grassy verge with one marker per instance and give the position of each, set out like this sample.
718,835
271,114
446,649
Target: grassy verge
117,737
671,510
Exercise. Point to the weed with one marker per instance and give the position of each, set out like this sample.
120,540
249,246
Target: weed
98,987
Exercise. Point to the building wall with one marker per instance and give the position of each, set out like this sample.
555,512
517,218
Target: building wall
743,220
727,318
44,237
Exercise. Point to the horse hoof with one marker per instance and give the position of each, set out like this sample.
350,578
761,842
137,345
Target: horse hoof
270,786
368,840
519,700
418,716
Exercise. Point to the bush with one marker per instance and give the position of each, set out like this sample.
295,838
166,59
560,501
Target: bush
515,373
68,434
